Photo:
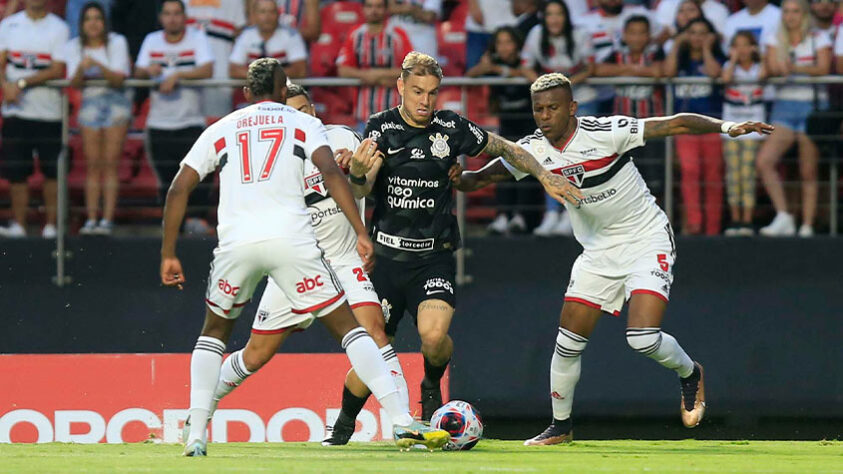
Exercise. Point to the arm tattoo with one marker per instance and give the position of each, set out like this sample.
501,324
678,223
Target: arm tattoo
514,155
694,124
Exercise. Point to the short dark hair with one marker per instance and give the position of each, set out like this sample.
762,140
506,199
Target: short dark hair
636,19
260,79
420,64
180,2
295,90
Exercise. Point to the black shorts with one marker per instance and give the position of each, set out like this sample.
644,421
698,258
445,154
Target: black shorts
402,286
23,136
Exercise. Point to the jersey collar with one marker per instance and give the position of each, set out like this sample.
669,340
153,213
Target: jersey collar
568,141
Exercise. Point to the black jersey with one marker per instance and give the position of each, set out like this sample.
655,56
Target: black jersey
413,215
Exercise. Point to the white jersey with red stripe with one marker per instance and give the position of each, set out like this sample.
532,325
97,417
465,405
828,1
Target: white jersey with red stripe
260,152
333,230
617,206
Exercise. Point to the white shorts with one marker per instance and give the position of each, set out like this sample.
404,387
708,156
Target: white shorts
298,269
606,279
275,314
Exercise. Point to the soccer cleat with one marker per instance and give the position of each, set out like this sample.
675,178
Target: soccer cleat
417,433
431,400
339,434
553,434
195,448
693,397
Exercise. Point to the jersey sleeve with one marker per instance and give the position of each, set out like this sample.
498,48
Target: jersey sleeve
203,49
516,173
143,55
296,50
346,57
239,54
838,42
627,133
823,40
60,40
373,131
118,55
71,57
204,155
317,137
472,138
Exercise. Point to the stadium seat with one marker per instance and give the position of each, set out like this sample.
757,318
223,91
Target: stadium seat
451,38
339,18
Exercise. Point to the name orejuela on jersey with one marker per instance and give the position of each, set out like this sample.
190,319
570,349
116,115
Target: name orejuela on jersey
413,215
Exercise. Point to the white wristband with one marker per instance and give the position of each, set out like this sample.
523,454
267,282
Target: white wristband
726,126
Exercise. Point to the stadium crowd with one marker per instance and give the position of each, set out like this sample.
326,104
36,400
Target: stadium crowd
136,137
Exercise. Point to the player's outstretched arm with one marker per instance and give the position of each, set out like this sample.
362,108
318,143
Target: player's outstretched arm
556,186
467,181
696,124
365,164
338,187
174,209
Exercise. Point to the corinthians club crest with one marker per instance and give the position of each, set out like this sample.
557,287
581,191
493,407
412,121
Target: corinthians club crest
439,148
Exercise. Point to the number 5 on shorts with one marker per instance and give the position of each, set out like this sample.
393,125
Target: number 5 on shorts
663,262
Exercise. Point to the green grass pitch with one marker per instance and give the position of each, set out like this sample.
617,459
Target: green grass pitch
489,455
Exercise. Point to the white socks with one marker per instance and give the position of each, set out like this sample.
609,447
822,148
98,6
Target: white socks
397,373
373,371
204,373
232,374
565,371
661,347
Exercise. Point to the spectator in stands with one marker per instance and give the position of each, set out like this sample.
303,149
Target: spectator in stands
823,12
527,15
31,44
73,13
104,116
373,53
794,50
604,27
221,20
175,118
268,38
135,19
696,53
418,19
56,7
743,102
557,46
484,17
639,57
759,17
302,15
712,10
513,107
687,10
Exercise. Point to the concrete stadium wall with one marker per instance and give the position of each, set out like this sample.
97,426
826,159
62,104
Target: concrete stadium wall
763,316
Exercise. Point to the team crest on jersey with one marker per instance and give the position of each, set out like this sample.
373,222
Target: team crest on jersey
574,173
315,182
440,148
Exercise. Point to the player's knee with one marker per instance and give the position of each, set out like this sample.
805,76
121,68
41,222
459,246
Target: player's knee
433,339
644,340
255,358
569,344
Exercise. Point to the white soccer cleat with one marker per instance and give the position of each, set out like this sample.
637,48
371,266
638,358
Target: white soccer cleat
783,225
499,225
549,222
195,448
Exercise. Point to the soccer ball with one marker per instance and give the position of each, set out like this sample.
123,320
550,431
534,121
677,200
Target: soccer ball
462,421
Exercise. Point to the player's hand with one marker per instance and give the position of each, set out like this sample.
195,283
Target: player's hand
343,158
11,92
364,157
366,250
744,128
561,189
455,173
171,272
168,84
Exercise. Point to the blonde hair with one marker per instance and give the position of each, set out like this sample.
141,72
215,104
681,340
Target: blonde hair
420,64
783,46
550,81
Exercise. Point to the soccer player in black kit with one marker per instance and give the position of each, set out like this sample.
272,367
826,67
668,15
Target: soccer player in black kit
406,162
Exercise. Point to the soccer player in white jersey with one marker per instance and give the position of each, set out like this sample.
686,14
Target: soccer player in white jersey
264,229
276,320
628,246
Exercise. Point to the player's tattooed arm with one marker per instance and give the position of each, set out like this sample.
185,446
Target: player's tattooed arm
468,181
556,186
366,161
696,124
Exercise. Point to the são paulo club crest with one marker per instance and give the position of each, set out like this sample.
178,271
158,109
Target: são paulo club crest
573,173
440,148
315,183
